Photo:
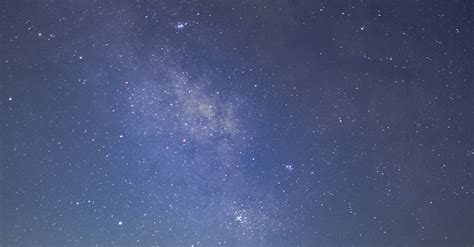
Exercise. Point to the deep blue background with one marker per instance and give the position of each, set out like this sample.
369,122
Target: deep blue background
236,123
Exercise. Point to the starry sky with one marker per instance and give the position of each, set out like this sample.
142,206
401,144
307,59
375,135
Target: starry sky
236,123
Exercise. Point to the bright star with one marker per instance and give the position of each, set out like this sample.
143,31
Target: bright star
181,25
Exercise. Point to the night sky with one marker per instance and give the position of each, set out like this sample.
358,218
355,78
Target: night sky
237,123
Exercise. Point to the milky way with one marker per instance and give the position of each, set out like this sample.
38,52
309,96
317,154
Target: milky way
236,123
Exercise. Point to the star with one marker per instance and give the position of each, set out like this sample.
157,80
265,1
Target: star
239,218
